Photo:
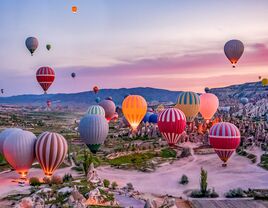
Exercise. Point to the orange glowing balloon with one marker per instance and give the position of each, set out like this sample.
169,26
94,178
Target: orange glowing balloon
134,109
209,104
74,9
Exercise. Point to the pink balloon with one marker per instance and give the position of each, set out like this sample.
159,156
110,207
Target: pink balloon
209,104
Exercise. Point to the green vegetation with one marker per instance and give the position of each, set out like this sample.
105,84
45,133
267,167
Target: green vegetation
136,160
67,177
106,183
235,193
34,181
184,180
264,161
168,153
240,151
204,192
114,185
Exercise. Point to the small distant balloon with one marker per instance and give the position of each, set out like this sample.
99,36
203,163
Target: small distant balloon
244,100
31,44
45,77
233,50
259,77
74,9
49,103
97,99
109,98
264,82
2,91
73,75
207,90
95,89
48,46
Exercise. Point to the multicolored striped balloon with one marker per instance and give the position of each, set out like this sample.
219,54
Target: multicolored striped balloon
19,151
93,131
171,123
134,109
96,110
189,104
45,77
224,137
51,149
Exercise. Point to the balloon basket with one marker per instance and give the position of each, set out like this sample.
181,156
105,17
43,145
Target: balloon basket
224,165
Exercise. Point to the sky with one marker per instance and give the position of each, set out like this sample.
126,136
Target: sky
170,44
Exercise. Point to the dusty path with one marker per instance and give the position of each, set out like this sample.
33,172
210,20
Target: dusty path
240,172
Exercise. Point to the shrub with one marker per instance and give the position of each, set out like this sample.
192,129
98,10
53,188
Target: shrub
186,152
197,194
46,180
214,194
184,180
56,180
67,177
106,183
114,185
34,181
235,193
167,153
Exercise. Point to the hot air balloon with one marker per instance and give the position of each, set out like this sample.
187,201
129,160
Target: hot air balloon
264,82
109,98
31,44
189,104
224,137
74,9
209,104
93,131
97,100
259,77
109,108
153,118
2,91
45,77
49,103
146,117
95,89
134,109
207,90
171,123
233,50
115,117
51,149
244,100
3,136
96,110
48,46
19,151
160,108
73,75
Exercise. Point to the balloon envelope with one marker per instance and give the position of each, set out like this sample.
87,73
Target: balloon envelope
31,44
109,108
74,9
244,100
153,118
93,131
134,108
207,90
73,75
48,46
45,77
264,82
224,137
209,104
97,100
96,110
95,89
233,50
51,149
19,151
189,104
146,117
4,134
171,123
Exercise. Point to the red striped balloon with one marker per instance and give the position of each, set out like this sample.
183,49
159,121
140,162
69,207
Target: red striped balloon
224,137
171,123
45,77
51,149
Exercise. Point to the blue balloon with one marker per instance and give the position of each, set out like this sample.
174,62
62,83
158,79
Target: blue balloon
146,117
244,100
153,118
97,99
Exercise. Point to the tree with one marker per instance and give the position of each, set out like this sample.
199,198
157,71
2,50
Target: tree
203,181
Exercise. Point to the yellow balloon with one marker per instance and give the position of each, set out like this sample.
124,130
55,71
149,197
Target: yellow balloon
264,82
134,108
189,104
